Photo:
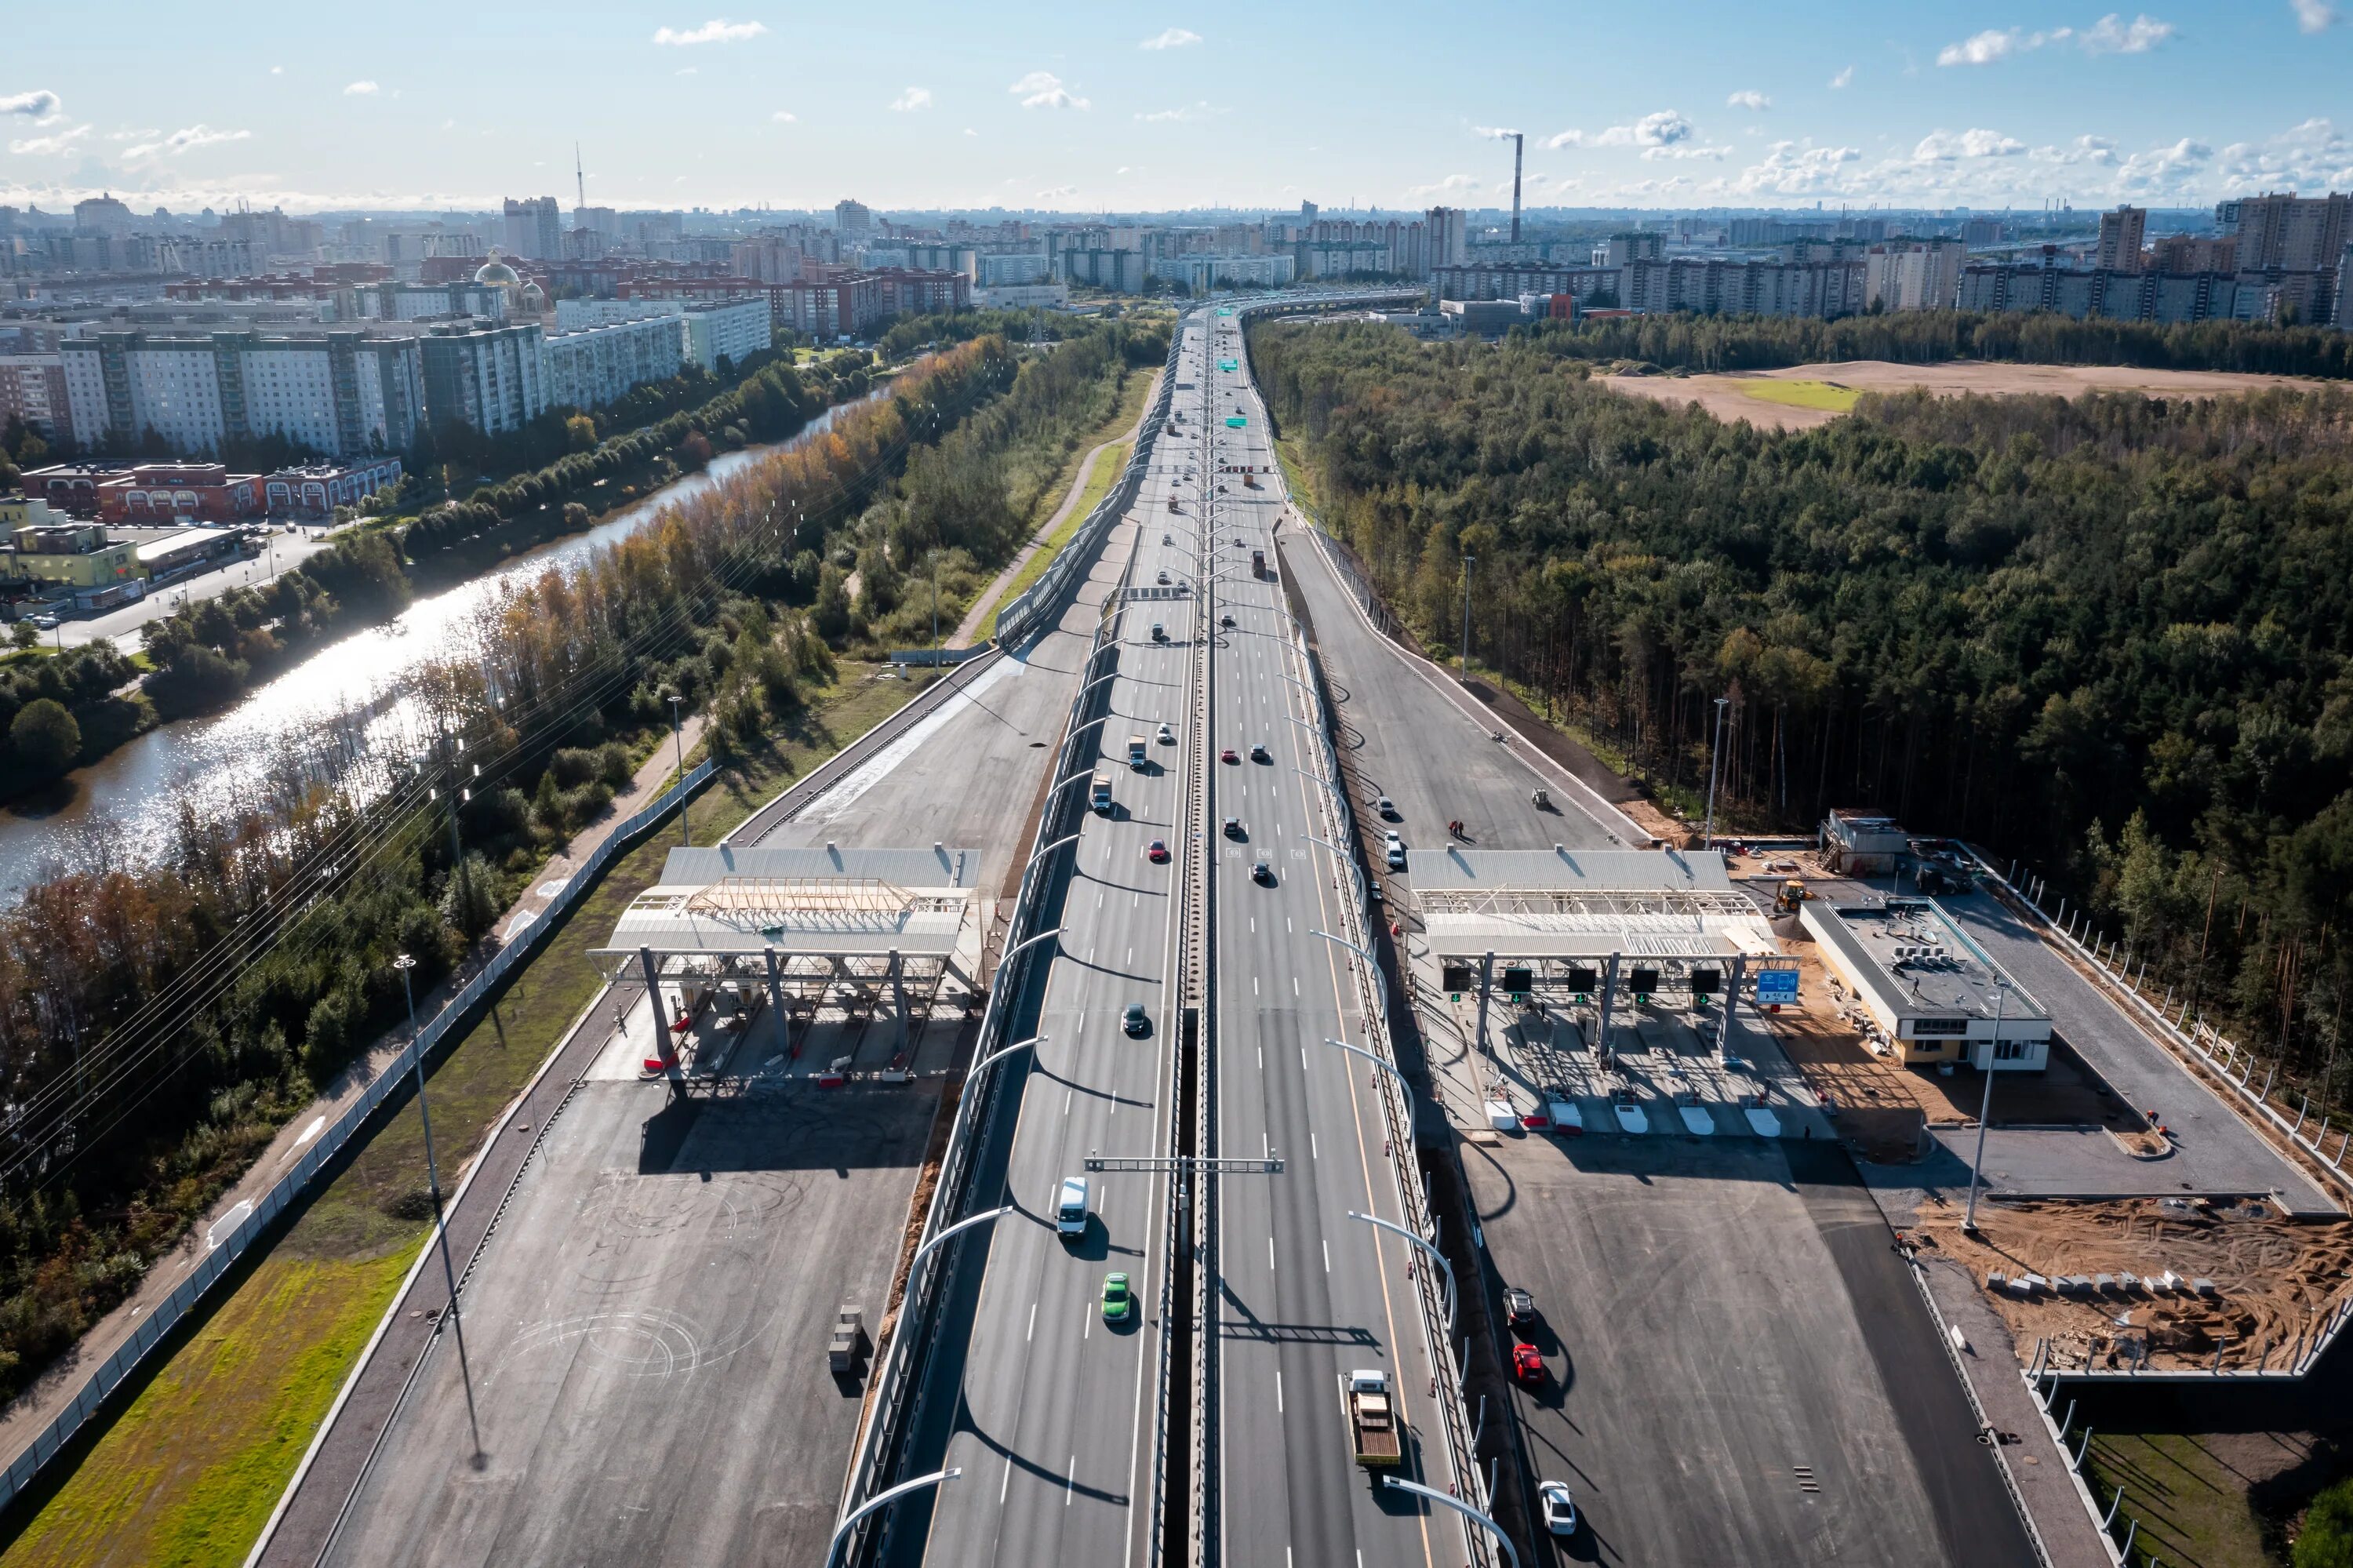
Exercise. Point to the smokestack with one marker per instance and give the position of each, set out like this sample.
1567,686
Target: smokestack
1516,140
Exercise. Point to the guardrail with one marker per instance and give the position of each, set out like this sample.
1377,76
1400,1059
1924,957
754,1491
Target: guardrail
395,1079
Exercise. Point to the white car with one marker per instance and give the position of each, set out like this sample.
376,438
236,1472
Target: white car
1560,1508
1166,737
1386,808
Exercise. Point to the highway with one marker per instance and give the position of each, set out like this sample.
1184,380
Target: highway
1306,1293
1048,1409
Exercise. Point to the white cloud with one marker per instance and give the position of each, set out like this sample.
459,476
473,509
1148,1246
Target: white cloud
1198,111
2313,16
2314,154
185,140
1044,89
970,131
1944,147
1843,77
2179,167
1696,150
688,70
1059,193
719,30
913,100
1174,39
1984,48
43,146
2111,34
785,117
38,104
1664,129
1791,169
277,70
1452,184
362,90
1749,98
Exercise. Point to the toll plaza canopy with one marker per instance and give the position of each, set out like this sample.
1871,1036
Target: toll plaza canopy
1585,904
830,901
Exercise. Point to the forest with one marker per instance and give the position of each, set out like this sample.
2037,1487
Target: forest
158,1023
2109,636
1707,343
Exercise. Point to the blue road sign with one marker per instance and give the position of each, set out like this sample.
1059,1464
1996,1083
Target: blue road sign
1777,985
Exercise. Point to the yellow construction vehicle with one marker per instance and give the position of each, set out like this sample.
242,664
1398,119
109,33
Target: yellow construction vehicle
1793,893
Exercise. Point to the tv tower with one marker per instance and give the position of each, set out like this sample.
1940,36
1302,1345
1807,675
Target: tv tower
579,180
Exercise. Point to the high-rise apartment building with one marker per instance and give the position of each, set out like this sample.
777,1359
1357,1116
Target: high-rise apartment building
491,379
340,393
2297,234
2184,253
1447,237
2120,240
533,229
1918,275
852,218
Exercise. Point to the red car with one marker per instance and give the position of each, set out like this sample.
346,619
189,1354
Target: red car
1228,755
1527,1364
1155,852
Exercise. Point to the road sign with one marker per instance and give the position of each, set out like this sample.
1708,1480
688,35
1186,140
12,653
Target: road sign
1777,985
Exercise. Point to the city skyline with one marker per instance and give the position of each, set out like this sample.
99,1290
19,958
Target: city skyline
1948,106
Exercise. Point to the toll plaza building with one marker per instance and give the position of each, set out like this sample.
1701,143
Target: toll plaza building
1933,994
1607,929
839,946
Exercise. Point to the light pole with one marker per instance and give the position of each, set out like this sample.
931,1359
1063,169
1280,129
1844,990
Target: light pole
969,1222
833,1547
1436,1255
403,963
1714,747
1468,562
685,834
1405,1088
1985,1110
1459,1505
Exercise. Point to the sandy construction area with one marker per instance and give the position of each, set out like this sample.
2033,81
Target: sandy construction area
1729,396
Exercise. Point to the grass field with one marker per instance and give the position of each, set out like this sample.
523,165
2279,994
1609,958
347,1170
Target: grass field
190,1470
2189,1496
1099,482
1827,395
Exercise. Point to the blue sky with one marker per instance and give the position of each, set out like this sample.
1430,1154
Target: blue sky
1114,107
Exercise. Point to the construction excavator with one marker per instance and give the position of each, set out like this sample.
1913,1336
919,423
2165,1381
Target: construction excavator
1792,893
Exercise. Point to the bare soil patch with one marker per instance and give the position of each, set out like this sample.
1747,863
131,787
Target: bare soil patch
1729,396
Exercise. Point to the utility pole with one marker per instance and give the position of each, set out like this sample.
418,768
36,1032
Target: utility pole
1716,748
1985,1111
1468,562
685,834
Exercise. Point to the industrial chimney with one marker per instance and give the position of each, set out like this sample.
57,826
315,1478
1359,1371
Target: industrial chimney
1518,138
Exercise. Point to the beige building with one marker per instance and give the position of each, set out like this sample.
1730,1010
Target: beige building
74,555
2120,238
1934,995
1916,275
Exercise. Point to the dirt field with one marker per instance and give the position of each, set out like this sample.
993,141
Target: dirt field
2272,1277
1735,396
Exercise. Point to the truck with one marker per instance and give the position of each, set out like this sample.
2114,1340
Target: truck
1258,563
1372,1418
1099,793
1135,755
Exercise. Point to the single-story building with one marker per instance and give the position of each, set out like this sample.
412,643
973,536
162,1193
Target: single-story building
1934,995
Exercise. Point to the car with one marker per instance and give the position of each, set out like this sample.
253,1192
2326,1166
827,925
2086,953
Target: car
1166,737
1386,808
1167,538
45,623
1262,874
1118,1300
1258,753
1527,1364
1229,755
1394,857
1159,633
1155,852
1519,1307
1560,1508
1136,1020
1233,827
1238,542
1225,620
1164,579
1070,1207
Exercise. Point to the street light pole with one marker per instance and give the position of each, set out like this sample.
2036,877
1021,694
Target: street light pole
1715,749
1459,1505
685,833
1985,1110
404,963
1405,1088
833,1548
1437,1256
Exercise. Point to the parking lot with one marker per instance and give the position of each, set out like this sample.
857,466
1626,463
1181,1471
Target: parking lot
1737,1370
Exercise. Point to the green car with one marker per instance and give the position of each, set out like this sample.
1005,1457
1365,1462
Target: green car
1119,1302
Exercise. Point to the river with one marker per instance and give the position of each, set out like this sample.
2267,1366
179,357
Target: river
347,698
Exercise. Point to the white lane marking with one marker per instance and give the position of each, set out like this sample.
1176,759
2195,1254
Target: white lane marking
1313,1152
1278,1410
1302,1058
1286,923
1327,1255
1066,1102
1253,985
1070,1481
1294,985
1008,1481
1269,1255
1032,1334
1261,1059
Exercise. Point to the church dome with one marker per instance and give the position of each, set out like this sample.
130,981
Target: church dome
497,274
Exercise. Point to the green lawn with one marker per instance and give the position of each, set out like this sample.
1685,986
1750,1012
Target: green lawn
2190,1497
1827,395
192,1467
1099,482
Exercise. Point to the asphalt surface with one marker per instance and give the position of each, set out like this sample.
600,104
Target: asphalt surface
1046,1407
1737,1368
1308,1294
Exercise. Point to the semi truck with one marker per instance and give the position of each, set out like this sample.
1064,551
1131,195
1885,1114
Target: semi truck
1372,1418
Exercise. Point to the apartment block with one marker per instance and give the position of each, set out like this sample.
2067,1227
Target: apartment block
728,330
1919,275
340,392
2120,240
491,379
33,390
595,365
2296,234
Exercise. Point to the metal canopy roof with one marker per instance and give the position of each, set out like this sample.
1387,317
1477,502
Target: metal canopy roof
835,902
1587,904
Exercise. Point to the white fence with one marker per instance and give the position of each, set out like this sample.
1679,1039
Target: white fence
395,1079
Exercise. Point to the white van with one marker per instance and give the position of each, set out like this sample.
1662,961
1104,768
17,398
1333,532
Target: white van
1071,1212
